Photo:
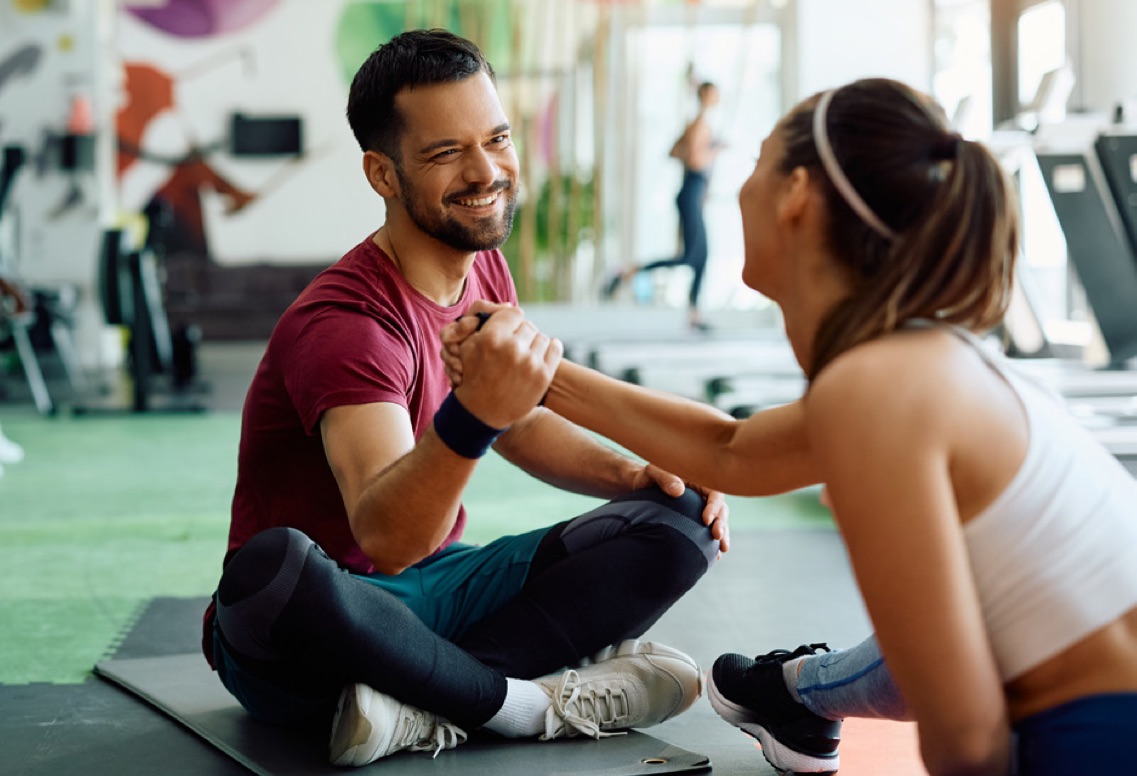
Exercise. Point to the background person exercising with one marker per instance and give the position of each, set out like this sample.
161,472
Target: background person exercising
347,600
696,148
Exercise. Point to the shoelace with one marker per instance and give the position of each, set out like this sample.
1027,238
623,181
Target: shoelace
422,735
584,712
784,655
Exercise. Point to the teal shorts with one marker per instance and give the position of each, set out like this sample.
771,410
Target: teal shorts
464,583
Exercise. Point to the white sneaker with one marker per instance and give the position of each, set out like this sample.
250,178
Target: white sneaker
635,684
369,725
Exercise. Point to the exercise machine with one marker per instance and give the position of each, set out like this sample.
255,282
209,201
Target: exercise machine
1085,169
130,289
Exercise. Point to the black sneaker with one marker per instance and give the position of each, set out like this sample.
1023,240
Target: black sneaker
751,694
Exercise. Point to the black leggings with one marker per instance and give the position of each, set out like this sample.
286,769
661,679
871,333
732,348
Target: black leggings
693,230
289,617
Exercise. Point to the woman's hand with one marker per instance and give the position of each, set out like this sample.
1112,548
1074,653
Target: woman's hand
458,332
499,364
716,513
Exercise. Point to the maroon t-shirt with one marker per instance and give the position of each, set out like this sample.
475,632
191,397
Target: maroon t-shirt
358,334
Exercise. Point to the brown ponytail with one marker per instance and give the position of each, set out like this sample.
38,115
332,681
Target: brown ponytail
947,201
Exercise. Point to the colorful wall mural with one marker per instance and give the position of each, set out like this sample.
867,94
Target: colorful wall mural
221,126
202,18
190,65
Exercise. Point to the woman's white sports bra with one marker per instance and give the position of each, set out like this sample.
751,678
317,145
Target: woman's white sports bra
1054,557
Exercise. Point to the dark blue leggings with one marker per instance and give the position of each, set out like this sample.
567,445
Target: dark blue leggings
1093,735
293,628
692,194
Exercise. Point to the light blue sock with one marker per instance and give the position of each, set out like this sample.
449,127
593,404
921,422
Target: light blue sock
849,683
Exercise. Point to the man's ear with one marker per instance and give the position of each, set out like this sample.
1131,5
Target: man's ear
380,171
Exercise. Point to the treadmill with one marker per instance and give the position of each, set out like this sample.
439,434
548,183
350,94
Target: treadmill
1091,174
1100,234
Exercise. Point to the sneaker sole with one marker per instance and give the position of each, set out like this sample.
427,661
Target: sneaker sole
352,733
781,757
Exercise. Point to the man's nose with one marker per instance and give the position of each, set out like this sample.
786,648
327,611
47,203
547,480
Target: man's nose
481,167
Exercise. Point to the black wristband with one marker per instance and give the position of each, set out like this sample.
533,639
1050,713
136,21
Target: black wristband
459,430
482,318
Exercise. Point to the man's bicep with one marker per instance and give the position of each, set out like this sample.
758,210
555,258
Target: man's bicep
361,440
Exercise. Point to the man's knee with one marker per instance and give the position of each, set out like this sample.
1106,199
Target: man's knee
672,527
682,519
257,584
690,504
260,561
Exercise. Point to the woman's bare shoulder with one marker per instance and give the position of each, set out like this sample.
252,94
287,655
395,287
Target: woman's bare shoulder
905,375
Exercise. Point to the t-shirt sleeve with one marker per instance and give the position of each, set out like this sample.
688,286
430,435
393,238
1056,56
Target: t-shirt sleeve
345,357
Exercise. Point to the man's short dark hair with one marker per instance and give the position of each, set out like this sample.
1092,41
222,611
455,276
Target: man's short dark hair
410,59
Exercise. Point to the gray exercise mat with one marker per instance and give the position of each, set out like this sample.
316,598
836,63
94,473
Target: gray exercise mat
185,688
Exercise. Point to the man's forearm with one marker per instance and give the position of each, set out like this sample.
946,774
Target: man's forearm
564,455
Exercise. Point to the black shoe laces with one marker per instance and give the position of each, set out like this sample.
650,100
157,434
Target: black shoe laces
779,656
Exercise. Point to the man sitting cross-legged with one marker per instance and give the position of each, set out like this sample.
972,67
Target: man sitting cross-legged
347,604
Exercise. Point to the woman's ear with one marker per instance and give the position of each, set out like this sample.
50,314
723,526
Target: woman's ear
380,171
797,191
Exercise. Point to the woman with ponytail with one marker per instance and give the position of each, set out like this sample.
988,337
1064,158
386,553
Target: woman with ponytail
993,540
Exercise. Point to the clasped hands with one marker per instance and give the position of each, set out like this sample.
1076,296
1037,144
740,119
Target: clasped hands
500,367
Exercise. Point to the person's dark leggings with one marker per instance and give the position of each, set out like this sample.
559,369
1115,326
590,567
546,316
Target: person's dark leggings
293,628
693,228
1093,734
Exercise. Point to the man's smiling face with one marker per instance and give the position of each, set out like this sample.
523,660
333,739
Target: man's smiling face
458,174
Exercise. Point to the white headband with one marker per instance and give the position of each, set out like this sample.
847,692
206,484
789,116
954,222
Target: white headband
833,169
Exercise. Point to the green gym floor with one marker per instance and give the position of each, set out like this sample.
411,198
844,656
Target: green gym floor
108,512
105,513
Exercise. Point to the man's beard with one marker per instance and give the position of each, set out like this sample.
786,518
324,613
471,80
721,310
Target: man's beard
486,234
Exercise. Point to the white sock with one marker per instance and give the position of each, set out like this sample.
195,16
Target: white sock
523,713
789,676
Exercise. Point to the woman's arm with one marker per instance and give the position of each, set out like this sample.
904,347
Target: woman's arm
881,429
765,454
